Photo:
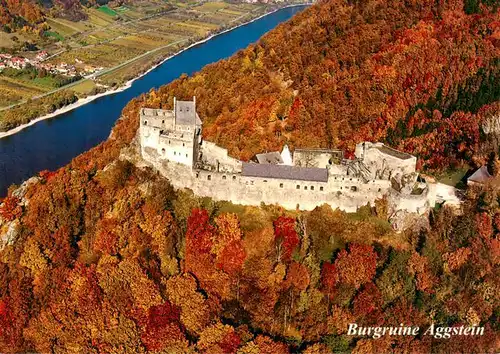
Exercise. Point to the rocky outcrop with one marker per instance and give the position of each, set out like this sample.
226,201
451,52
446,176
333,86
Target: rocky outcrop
403,220
9,229
8,232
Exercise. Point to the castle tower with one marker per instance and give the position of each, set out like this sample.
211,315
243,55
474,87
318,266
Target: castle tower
175,135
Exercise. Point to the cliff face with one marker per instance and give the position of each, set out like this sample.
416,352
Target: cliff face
109,258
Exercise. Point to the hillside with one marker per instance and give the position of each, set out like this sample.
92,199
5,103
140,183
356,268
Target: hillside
108,258
413,76
103,256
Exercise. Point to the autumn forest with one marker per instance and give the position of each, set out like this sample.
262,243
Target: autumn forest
109,258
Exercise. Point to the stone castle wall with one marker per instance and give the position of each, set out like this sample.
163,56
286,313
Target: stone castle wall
178,153
215,155
384,161
341,192
412,203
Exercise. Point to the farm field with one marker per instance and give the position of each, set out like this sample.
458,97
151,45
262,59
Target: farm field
84,88
12,91
120,43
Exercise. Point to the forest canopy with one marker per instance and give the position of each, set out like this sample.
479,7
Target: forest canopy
108,257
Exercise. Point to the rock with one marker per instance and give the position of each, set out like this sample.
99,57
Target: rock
21,191
9,236
403,220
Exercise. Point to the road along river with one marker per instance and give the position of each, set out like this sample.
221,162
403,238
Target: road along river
52,143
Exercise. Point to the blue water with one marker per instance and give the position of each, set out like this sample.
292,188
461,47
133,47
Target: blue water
53,143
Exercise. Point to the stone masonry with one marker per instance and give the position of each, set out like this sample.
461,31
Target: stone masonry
172,142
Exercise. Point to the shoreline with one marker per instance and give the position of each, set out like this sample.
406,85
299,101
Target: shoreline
128,84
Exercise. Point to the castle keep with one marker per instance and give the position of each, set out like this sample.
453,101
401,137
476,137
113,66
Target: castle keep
172,142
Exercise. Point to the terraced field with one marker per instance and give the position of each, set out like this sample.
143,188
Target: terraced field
112,36
12,91
125,41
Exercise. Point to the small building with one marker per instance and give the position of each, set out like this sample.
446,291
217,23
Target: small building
479,177
275,157
42,55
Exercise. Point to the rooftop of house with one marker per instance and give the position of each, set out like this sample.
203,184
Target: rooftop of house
480,176
284,172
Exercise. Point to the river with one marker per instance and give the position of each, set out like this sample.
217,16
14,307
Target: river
52,143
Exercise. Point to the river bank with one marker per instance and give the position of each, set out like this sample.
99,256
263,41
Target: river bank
85,100
53,143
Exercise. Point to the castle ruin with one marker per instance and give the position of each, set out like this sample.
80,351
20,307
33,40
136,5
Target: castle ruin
172,142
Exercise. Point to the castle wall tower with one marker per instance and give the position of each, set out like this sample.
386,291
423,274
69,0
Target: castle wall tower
175,135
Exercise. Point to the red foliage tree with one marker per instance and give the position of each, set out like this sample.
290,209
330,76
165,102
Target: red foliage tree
106,238
162,327
297,277
285,236
198,236
484,225
329,277
46,174
357,266
230,342
10,209
5,318
232,257
161,315
368,305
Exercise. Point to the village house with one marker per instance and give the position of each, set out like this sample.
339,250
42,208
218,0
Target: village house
41,56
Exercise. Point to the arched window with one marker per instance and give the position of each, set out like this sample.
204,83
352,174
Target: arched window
145,122
163,151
